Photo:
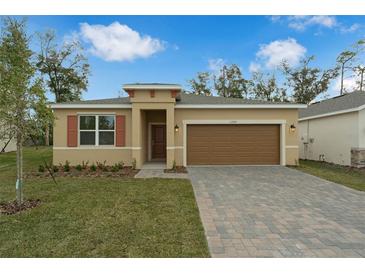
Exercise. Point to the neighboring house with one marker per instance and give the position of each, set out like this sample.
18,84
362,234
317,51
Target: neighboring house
158,122
333,130
7,144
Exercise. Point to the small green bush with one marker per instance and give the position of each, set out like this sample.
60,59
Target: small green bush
66,166
174,165
120,165
115,168
55,168
84,164
41,168
79,167
134,163
93,167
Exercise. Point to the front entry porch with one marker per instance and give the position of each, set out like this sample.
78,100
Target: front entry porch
153,134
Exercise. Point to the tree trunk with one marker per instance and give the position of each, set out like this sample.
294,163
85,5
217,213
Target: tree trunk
19,163
361,80
342,72
47,135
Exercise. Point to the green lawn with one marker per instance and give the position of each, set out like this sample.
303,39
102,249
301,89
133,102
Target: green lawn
99,217
346,176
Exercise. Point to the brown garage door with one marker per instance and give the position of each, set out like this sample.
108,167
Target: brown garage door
233,145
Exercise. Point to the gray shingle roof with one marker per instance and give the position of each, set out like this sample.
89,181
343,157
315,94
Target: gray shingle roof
119,100
186,99
343,102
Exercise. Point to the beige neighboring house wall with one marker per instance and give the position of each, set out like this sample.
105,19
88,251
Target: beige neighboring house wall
362,129
3,141
331,136
10,147
159,106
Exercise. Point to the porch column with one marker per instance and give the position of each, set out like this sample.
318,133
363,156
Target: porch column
170,136
136,137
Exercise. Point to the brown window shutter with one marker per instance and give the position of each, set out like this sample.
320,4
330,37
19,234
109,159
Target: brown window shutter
120,131
72,131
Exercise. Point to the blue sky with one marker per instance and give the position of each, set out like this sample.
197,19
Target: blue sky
125,49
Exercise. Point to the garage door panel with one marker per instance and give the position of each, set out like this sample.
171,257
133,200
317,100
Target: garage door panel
233,144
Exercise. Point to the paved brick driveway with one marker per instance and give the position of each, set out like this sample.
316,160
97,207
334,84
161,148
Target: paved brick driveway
278,212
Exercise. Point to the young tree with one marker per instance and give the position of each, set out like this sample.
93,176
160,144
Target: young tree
65,67
230,82
344,60
23,108
200,85
307,82
265,87
360,71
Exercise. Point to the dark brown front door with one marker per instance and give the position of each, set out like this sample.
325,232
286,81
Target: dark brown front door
158,141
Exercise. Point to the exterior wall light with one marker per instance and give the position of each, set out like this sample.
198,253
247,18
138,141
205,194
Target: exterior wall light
176,128
292,128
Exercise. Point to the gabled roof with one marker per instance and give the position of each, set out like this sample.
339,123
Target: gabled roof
349,102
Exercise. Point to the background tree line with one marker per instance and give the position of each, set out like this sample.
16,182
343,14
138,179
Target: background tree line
300,84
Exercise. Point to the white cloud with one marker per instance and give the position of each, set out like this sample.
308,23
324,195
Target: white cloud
350,29
215,65
276,52
349,84
118,42
254,67
275,18
302,22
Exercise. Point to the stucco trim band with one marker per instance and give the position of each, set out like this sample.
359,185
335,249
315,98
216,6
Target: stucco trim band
97,147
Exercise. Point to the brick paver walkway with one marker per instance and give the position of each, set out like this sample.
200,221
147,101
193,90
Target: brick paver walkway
278,212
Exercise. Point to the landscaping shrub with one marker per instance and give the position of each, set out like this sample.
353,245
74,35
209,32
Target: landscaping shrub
115,168
84,164
41,168
174,165
134,163
120,165
93,167
55,168
66,167
79,167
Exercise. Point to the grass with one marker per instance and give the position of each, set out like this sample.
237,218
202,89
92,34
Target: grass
350,177
99,217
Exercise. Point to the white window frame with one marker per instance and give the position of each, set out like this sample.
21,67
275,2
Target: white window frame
96,130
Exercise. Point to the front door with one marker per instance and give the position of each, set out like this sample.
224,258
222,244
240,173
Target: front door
158,142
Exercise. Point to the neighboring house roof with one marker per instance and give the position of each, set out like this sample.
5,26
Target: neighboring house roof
183,101
349,102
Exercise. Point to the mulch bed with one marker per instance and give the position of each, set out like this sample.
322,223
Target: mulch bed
125,172
10,208
178,169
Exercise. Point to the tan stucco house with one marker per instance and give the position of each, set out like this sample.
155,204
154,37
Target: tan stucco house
159,122
333,130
